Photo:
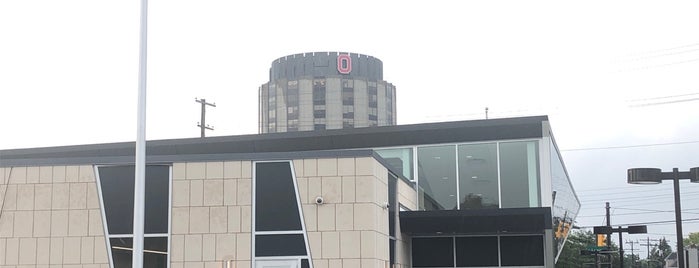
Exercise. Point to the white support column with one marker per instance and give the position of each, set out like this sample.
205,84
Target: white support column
140,176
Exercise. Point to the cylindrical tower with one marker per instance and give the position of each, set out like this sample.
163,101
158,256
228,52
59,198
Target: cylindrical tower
325,90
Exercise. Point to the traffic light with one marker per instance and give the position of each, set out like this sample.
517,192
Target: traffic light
601,240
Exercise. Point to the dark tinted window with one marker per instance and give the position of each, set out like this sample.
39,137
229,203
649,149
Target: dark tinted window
276,207
522,250
121,252
304,263
117,192
476,251
392,205
117,185
433,252
157,199
280,245
154,253
392,251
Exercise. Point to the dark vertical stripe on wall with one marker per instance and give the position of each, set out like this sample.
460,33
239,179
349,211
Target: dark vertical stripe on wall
276,207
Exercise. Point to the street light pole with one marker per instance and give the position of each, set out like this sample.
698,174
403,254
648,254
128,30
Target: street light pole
678,217
655,176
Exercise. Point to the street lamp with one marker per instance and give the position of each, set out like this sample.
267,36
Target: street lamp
655,176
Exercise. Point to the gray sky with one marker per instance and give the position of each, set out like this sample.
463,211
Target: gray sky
608,73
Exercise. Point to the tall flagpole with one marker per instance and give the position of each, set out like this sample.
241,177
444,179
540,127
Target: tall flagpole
140,181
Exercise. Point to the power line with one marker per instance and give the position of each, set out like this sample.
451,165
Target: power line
624,191
662,50
637,197
645,203
660,55
664,102
649,223
659,65
665,97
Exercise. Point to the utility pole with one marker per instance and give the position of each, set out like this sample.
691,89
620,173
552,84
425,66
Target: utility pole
633,261
648,244
609,237
202,124
486,112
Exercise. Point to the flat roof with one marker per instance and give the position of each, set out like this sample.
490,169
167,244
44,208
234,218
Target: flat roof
257,145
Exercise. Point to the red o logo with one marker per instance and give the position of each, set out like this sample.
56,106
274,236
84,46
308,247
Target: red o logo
344,63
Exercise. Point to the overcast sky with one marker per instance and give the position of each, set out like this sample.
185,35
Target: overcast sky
608,74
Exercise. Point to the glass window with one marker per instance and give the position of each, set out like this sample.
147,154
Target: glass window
117,186
478,176
477,251
154,252
319,114
433,252
522,250
565,203
157,200
437,176
401,159
280,245
276,207
122,254
319,91
392,204
519,174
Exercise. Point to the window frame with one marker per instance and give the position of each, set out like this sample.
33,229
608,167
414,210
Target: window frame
103,214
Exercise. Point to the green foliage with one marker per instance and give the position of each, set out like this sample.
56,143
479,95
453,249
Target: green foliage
692,240
660,252
579,240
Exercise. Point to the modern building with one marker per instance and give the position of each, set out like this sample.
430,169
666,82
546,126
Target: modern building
484,193
325,90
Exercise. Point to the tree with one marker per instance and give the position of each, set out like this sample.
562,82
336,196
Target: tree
660,252
570,255
579,240
692,240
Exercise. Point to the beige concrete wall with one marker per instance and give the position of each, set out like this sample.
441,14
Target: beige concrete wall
211,214
50,217
351,228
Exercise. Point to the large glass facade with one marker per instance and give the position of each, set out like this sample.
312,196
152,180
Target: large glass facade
565,202
400,159
478,176
471,175
437,176
519,174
